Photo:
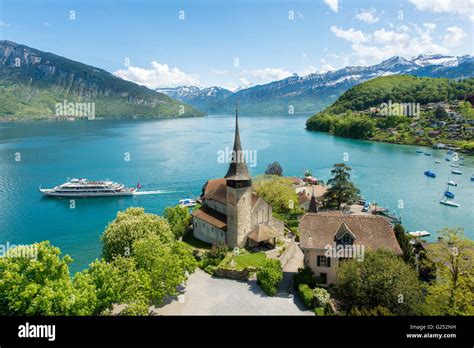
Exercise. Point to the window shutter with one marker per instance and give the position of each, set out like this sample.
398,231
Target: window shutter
318,261
328,262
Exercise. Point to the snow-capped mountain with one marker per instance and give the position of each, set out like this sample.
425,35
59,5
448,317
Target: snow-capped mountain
311,93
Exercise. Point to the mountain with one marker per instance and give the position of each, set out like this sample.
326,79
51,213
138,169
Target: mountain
200,98
308,94
33,83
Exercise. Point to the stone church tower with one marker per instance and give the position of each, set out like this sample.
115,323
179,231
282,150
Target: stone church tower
239,195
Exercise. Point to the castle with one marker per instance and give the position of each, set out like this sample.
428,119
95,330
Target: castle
231,211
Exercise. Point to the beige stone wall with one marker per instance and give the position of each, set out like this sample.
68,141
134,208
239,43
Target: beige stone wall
239,216
261,213
221,208
310,260
206,232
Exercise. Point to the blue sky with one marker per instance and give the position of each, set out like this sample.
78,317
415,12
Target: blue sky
236,43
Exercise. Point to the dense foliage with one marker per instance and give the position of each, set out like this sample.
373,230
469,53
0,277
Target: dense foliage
400,89
381,279
178,218
452,293
278,192
404,242
40,284
306,295
131,225
340,190
269,275
274,169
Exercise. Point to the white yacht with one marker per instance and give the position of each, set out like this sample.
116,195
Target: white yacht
85,188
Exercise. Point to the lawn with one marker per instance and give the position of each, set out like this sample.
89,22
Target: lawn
245,260
195,243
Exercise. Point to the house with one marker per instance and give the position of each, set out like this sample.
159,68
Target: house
327,238
231,211
305,193
434,133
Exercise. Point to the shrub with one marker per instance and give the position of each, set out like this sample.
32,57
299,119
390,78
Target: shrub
218,251
269,276
306,295
321,297
304,276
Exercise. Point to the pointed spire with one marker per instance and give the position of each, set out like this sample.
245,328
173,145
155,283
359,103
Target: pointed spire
238,169
313,206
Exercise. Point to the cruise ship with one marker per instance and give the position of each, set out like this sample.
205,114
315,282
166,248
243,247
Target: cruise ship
85,188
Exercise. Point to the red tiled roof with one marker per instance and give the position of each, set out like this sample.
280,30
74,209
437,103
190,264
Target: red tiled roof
373,232
216,189
211,216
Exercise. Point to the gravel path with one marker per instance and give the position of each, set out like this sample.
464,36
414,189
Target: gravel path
205,295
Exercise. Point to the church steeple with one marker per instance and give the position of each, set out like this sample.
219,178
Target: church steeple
313,206
238,169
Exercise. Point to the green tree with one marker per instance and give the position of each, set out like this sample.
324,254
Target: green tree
40,284
278,192
341,190
168,264
131,225
269,276
381,279
404,242
440,113
119,282
178,218
452,293
274,169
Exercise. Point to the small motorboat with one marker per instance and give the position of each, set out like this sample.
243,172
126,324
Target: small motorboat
472,177
448,194
449,203
430,174
419,151
452,183
456,171
447,159
450,152
427,154
420,234
437,161
454,165
187,202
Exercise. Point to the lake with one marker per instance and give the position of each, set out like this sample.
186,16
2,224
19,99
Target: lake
177,156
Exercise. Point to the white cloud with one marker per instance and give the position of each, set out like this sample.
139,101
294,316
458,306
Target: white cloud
159,75
454,36
406,41
269,74
244,83
351,35
430,26
368,16
3,24
333,4
46,24
463,8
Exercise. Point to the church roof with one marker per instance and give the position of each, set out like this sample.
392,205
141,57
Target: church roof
263,232
211,216
216,189
237,169
321,229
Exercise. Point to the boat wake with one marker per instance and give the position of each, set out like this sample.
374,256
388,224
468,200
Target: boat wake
155,192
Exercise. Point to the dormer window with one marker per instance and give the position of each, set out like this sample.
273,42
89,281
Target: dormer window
347,239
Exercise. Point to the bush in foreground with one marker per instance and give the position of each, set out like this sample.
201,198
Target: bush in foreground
269,276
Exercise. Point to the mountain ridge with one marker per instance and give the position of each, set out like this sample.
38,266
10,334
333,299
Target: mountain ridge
33,81
311,93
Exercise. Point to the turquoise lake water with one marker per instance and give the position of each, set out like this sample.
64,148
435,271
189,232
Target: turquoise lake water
178,156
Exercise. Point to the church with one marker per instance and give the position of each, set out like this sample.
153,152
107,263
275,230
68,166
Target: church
231,211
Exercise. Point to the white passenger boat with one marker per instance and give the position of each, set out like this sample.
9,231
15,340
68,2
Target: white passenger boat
85,188
452,183
456,171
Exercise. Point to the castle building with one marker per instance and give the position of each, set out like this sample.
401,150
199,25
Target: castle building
231,211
